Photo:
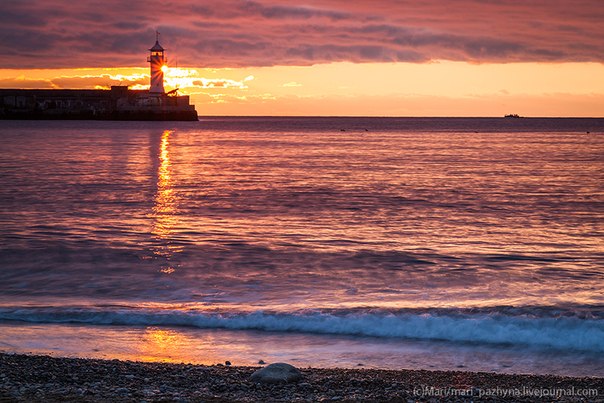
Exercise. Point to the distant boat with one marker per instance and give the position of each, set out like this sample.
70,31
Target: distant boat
513,115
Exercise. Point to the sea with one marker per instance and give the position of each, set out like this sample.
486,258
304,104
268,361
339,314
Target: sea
472,244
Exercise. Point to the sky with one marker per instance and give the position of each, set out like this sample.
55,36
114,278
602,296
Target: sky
328,57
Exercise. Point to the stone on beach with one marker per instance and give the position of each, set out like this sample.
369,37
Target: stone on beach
279,372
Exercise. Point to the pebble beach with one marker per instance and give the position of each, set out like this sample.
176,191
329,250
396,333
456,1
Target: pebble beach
33,378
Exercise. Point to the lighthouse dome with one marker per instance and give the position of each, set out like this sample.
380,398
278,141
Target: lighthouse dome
157,47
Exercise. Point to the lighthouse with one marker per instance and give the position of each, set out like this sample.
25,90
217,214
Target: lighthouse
158,61
118,103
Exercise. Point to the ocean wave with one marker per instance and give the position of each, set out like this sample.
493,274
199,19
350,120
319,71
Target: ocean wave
564,332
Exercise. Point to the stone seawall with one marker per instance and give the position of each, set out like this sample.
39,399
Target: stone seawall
119,103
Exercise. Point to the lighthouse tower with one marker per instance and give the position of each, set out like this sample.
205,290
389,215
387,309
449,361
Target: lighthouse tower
157,60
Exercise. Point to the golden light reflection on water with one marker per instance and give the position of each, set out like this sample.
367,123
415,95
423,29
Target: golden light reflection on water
164,208
159,345
172,345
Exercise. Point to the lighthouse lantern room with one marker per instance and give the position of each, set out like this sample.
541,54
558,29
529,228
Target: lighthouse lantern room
158,60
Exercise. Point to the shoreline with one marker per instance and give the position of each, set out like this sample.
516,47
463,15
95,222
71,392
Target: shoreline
45,378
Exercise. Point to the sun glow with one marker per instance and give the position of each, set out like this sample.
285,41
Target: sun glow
165,68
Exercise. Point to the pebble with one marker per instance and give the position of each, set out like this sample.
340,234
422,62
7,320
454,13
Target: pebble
28,378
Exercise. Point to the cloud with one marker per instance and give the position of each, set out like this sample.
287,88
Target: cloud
217,83
87,81
22,82
292,84
189,80
241,33
100,81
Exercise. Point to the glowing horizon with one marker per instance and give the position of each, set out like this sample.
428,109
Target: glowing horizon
441,88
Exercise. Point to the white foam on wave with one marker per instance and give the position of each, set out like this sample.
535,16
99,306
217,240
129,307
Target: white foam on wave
565,333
